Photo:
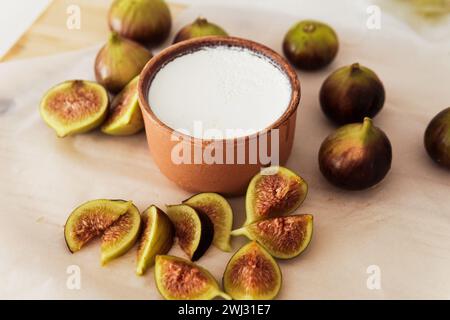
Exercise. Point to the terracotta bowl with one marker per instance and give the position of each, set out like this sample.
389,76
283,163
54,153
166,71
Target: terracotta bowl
225,178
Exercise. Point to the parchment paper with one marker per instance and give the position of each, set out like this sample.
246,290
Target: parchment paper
401,226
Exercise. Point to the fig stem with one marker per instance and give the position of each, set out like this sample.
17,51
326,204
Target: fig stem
201,20
310,27
113,37
355,68
367,125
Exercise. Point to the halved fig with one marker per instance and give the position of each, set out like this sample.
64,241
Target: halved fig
121,235
283,237
74,106
157,238
125,117
219,212
252,274
194,230
272,192
91,219
180,279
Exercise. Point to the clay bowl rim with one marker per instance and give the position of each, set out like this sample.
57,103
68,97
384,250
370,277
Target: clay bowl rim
184,47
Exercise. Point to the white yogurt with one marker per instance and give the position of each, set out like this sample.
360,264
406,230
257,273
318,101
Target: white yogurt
224,90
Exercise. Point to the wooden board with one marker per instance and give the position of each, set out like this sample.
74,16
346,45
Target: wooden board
49,34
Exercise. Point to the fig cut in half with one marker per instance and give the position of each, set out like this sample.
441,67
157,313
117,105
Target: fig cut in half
194,230
125,117
74,106
91,219
252,274
157,238
283,237
121,235
180,279
273,192
219,212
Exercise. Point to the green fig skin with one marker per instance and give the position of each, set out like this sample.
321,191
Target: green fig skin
437,138
310,45
356,156
145,21
119,61
352,93
199,28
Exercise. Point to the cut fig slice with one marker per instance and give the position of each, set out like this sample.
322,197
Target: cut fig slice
91,219
283,237
125,117
194,230
74,106
157,238
219,212
252,274
180,279
274,191
120,237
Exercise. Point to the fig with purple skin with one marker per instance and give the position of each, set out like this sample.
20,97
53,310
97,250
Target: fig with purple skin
199,28
351,93
310,45
437,138
356,156
145,21
119,61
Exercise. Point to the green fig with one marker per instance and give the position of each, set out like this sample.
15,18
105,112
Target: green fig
356,156
272,192
219,212
180,279
199,28
157,238
310,45
74,106
144,21
283,237
437,138
194,230
351,93
252,274
119,61
125,117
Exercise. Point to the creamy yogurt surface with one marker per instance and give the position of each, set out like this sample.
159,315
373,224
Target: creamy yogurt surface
219,92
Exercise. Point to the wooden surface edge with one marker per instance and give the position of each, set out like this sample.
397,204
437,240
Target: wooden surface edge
48,33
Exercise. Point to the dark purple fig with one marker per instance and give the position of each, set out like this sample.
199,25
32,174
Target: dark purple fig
351,93
199,28
437,138
310,45
144,21
356,156
119,61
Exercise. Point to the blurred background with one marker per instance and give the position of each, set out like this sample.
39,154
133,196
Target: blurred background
428,17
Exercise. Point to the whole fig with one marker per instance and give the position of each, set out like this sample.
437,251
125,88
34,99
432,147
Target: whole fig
119,61
351,93
144,21
356,156
199,28
310,45
437,138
